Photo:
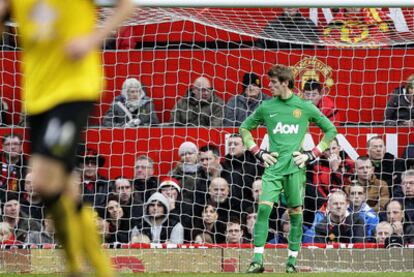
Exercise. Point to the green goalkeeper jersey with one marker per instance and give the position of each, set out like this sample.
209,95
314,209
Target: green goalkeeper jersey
287,121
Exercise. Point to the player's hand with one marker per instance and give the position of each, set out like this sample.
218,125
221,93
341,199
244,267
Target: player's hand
79,47
267,158
303,158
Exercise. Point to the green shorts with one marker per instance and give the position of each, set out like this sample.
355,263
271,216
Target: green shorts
293,186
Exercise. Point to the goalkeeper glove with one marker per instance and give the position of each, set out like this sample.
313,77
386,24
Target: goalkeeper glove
267,158
303,158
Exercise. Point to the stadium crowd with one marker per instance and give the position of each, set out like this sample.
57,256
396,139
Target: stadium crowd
209,197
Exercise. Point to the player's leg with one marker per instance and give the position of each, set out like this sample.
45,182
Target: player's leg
294,190
49,179
271,189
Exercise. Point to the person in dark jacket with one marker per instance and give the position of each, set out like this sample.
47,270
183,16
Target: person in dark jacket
94,187
400,106
132,108
290,30
338,225
145,183
240,169
239,107
13,165
200,107
387,167
130,204
207,222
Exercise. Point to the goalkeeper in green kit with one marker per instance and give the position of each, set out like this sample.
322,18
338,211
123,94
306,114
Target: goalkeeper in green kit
287,118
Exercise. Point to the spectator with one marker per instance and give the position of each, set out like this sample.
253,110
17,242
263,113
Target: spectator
31,202
408,156
240,169
234,232
332,171
187,172
387,167
218,197
132,108
239,107
208,223
250,220
199,107
130,204
383,231
312,91
357,205
171,189
94,187
395,216
338,225
118,229
377,190
158,225
19,222
400,108
6,235
283,234
13,165
145,183
45,236
407,185
290,30
210,167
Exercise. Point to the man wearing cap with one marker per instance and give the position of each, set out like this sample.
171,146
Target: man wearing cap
94,187
239,107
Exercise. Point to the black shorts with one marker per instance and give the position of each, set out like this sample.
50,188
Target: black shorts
56,132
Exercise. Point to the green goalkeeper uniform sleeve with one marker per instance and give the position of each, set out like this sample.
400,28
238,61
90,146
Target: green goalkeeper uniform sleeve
251,123
326,126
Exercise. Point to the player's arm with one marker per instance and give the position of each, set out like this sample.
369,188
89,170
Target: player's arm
252,122
81,46
329,129
4,13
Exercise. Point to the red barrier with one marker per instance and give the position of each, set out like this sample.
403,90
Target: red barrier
121,146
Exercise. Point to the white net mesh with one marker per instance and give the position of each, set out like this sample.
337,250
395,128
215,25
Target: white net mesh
359,57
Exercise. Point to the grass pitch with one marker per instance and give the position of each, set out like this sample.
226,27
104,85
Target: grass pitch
324,274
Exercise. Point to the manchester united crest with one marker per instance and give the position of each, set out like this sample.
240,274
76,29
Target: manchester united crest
297,113
312,68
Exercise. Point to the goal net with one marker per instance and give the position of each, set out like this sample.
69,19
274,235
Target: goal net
179,82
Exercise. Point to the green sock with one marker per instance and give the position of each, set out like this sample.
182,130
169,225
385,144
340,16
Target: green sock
261,229
295,234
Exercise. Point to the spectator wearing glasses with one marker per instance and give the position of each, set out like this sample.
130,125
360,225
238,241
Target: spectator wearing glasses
145,182
199,107
312,91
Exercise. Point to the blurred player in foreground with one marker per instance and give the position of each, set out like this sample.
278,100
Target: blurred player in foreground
287,118
62,79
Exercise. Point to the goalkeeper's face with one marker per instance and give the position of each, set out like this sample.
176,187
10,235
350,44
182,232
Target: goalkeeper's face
276,87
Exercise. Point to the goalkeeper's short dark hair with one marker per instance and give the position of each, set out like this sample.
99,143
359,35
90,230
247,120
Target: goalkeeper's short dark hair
283,73
312,84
